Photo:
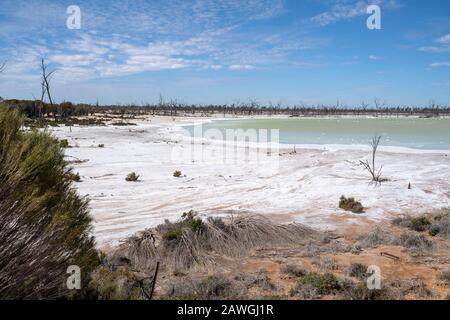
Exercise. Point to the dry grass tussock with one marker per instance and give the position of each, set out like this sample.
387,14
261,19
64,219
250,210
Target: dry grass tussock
193,241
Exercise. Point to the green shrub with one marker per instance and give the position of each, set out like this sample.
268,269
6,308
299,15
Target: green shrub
359,291
434,231
132,177
174,231
442,224
64,143
75,177
357,270
196,224
293,270
177,174
118,284
174,234
215,287
350,204
322,284
420,224
44,225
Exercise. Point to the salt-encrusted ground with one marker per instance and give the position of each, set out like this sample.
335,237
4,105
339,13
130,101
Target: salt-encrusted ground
304,186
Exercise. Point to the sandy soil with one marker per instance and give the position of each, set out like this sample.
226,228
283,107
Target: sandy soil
304,186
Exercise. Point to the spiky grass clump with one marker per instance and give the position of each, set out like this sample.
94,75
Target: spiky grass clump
193,241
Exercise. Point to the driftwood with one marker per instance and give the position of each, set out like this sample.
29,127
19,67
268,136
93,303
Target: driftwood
390,256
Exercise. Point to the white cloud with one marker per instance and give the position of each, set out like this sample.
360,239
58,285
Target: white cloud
373,57
122,39
440,64
444,39
435,49
348,9
241,67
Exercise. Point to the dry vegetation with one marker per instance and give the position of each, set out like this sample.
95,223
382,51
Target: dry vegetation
243,257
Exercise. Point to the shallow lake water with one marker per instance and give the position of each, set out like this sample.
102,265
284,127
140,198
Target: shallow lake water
416,133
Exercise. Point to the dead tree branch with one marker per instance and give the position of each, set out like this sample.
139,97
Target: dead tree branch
371,166
45,84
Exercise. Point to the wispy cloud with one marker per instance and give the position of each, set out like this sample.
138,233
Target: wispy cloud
241,67
444,45
434,49
375,58
123,39
444,39
440,64
347,9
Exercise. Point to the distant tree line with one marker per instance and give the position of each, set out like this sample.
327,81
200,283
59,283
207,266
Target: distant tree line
40,109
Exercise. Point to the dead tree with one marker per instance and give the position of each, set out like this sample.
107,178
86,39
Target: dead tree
371,166
45,83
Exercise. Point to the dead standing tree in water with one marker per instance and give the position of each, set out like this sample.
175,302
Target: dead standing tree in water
45,84
370,166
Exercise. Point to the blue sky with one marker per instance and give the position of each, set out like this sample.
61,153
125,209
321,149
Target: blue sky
210,51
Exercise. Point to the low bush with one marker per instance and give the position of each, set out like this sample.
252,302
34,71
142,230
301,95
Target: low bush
434,230
132,177
441,225
418,224
313,285
416,287
444,276
438,225
64,143
214,287
255,280
189,222
177,174
325,263
118,284
350,204
374,238
292,270
75,177
415,241
359,291
357,270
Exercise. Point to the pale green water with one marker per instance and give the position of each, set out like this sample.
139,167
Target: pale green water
433,134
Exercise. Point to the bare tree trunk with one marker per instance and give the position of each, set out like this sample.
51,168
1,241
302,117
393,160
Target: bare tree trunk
371,168
46,78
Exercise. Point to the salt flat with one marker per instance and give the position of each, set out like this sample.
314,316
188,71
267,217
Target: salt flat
304,186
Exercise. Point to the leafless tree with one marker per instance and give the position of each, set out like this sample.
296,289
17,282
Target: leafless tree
45,84
371,166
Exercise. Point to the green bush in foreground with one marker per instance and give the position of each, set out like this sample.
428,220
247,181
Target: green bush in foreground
44,225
